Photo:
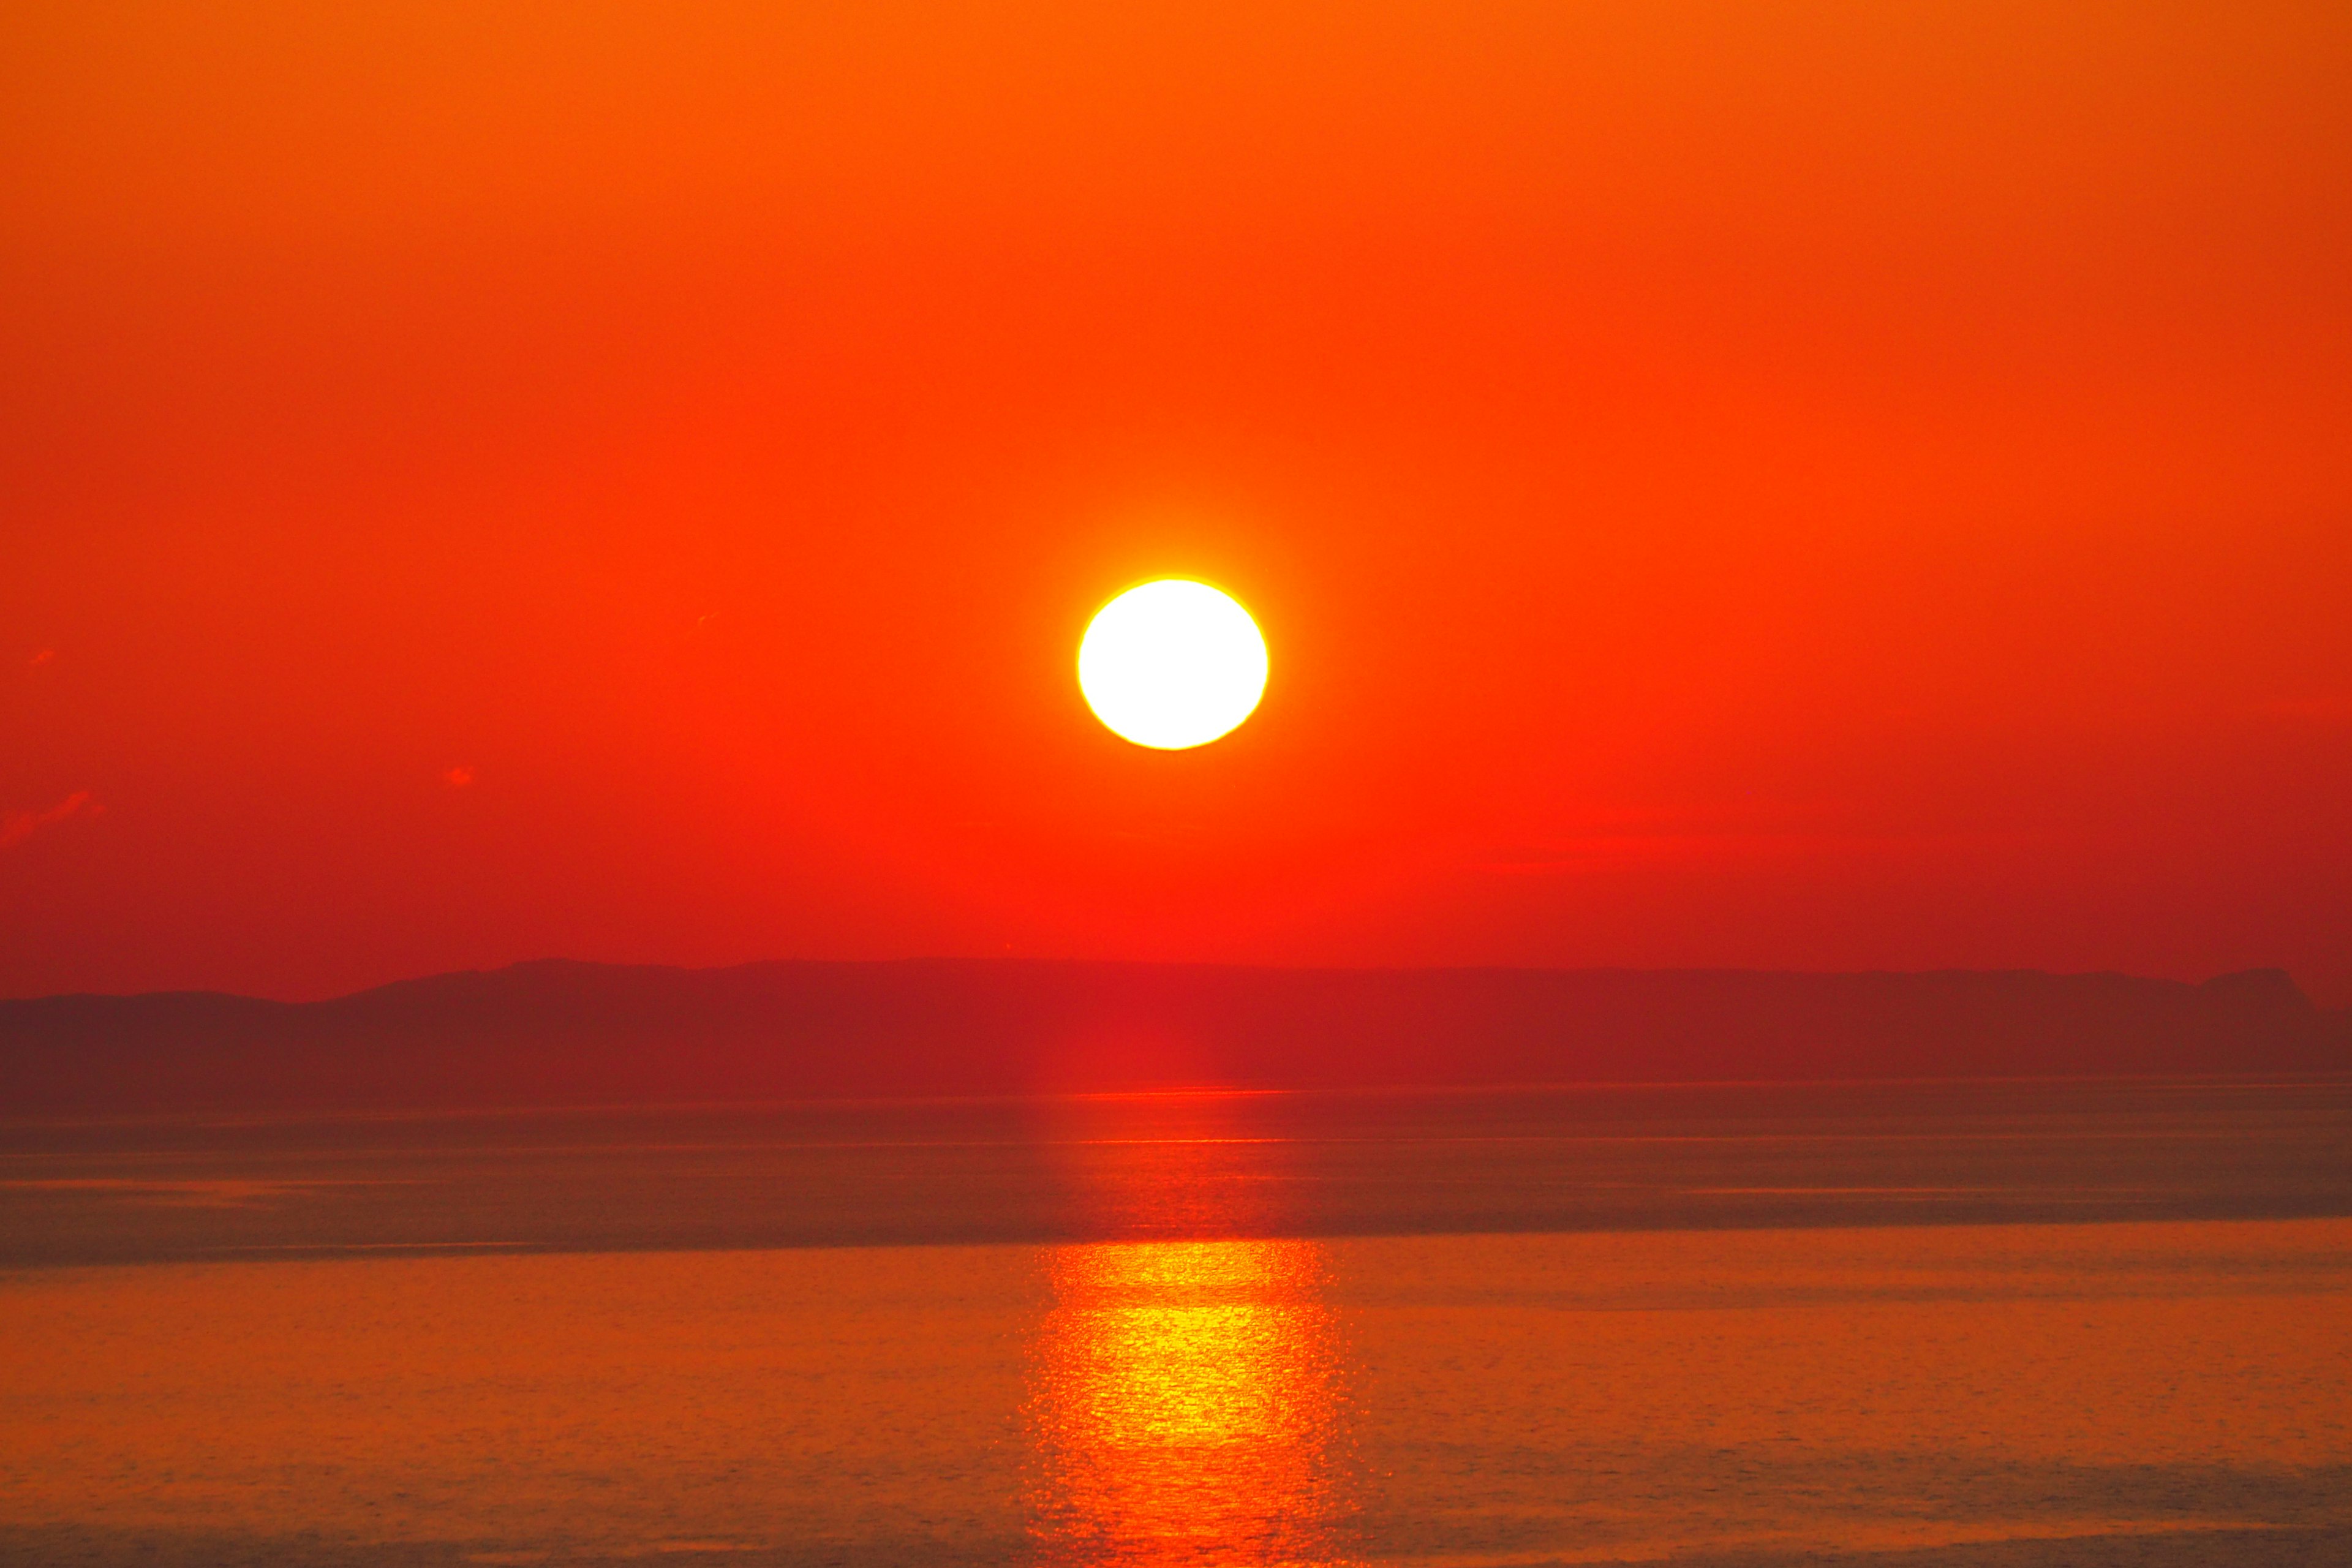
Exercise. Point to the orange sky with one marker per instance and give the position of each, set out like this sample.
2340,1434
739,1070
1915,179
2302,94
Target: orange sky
1824,486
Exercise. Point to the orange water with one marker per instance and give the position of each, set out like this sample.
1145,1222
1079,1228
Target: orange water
1424,1399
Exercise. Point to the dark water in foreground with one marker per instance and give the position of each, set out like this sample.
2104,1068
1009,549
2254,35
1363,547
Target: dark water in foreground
1924,1324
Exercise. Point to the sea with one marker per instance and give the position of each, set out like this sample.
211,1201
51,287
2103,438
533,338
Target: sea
1908,1325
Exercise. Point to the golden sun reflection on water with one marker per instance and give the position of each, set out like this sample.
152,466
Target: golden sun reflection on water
1187,1403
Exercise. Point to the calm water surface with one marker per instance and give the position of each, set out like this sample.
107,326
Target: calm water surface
1924,1325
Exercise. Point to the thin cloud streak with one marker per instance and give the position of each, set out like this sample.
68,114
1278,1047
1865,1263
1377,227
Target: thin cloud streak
16,826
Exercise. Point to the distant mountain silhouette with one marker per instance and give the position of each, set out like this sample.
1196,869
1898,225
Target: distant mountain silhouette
561,1033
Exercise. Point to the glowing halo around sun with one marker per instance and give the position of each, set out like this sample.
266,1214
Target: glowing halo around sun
1172,664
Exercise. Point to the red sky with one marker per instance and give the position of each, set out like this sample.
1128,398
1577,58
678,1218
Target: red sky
1824,486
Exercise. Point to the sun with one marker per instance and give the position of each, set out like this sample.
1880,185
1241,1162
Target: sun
1172,664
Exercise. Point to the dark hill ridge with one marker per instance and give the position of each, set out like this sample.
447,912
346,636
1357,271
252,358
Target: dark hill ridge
561,1033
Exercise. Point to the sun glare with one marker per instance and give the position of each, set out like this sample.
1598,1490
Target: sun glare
1172,664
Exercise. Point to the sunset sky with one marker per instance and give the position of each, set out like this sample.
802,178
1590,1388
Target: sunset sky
1821,486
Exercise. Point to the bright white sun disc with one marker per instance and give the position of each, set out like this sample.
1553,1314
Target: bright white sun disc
1172,664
